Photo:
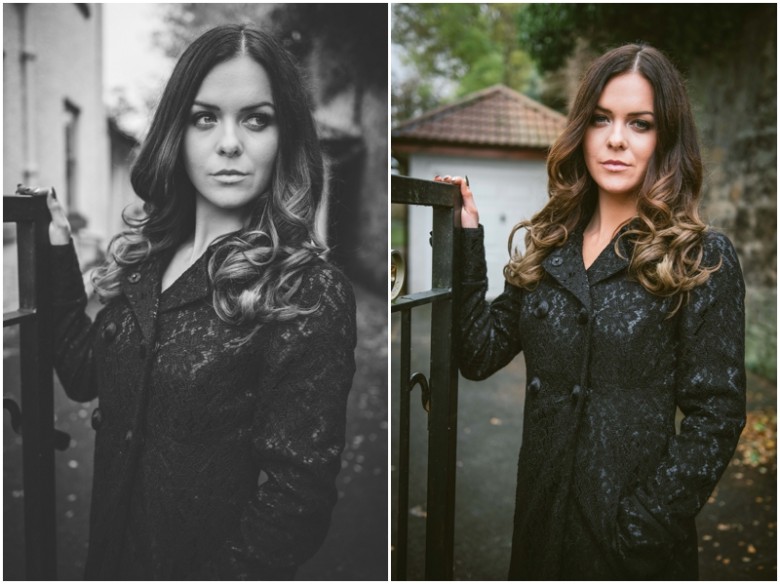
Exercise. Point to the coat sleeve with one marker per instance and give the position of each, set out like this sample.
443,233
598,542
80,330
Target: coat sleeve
73,330
710,392
300,432
489,332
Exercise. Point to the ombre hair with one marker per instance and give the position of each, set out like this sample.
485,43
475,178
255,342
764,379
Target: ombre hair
256,271
667,235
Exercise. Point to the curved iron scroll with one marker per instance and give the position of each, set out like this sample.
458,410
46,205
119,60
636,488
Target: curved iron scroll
425,396
61,439
397,273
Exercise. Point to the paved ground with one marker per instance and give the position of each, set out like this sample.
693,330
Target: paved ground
737,528
356,548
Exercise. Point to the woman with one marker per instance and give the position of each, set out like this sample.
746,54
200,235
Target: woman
626,308
224,355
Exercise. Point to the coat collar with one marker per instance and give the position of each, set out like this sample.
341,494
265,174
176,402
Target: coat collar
141,287
191,286
609,262
566,266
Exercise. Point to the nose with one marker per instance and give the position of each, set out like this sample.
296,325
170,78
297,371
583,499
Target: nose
229,143
616,138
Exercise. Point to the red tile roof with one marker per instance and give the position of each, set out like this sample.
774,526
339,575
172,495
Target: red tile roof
494,117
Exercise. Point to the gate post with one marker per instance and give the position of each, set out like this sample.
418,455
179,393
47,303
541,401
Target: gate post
34,318
442,418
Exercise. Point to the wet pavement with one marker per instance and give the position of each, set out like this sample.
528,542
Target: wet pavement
356,547
737,527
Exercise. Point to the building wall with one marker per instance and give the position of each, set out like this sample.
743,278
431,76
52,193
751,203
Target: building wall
505,191
66,47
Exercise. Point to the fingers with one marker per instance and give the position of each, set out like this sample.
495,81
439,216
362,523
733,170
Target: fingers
469,214
59,228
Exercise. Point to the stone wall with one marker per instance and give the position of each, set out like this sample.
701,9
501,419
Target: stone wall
735,101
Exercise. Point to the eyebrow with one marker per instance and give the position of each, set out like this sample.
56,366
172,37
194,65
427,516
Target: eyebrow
243,109
598,107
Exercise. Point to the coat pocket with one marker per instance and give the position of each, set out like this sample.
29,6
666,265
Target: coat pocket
643,545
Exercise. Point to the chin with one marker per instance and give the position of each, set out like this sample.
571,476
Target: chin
619,189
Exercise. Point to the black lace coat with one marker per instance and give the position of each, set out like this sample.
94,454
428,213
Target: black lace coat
606,488
217,447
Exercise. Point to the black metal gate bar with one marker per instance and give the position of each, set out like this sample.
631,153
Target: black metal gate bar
403,438
34,318
442,421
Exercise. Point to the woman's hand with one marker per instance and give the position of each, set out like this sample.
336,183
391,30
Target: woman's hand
59,228
469,216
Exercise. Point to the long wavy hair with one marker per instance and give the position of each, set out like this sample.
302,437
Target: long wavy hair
667,233
256,271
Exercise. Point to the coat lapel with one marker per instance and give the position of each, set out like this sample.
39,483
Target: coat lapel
191,286
610,262
141,287
565,265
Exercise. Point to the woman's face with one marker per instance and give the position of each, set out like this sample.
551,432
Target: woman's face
621,138
231,141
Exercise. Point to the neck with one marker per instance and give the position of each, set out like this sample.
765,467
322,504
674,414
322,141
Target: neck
610,214
213,222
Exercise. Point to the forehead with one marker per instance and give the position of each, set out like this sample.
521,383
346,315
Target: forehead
628,92
236,83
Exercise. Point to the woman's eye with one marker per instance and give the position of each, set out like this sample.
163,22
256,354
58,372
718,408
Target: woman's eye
599,120
642,125
258,121
203,120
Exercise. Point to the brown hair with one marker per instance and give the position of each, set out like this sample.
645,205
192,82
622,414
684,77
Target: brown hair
667,256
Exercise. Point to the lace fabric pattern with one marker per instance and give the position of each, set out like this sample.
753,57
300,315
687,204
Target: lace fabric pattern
607,489
218,446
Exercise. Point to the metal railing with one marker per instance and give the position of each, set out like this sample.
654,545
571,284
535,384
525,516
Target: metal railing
35,419
440,388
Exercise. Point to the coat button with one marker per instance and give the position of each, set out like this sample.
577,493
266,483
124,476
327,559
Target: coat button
109,332
534,386
582,317
134,278
542,309
129,435
557,261
97,419
576,392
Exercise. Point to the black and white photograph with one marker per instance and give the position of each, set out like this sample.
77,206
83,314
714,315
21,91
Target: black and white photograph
195,292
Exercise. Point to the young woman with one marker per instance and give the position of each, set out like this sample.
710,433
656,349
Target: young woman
627,307
223,358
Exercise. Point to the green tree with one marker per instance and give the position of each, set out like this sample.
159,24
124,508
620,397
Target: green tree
472,45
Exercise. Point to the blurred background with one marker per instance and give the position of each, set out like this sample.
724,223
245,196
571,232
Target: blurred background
80,82
483,90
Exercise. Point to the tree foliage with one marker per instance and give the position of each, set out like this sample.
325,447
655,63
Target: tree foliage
352,35
684,31
473,46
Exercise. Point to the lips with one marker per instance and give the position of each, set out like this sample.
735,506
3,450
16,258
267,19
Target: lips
614,165
229,172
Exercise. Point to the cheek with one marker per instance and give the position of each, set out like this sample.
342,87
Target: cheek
589,143
646,148
193,151
264,150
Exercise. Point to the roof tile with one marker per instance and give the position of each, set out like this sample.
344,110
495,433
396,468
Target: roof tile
497,116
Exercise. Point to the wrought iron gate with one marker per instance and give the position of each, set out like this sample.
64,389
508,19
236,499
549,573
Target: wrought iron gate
35,419
440,388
